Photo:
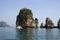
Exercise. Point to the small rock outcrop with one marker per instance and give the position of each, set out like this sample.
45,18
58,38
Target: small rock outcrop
3,24
42,25
58,23
49,22
25,18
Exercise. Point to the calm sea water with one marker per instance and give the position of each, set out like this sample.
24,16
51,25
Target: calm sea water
11,33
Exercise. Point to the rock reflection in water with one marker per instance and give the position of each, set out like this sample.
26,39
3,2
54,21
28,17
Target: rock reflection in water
25,34
37,34
49,35
53,34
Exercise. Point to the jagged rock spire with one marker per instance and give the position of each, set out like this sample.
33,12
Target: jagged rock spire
49,22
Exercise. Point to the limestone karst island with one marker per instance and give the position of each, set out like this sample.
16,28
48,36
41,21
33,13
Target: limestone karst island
25,19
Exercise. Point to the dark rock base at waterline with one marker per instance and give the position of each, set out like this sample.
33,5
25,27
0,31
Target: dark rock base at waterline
50,27
30,27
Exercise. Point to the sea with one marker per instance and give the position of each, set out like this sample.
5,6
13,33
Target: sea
12,33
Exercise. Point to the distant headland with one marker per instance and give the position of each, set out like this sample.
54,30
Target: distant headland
3,24
25,19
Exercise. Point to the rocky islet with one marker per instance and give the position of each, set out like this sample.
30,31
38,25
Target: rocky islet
25,19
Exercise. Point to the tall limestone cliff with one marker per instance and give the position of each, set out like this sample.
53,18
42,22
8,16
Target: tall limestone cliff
25,18
58,23
49,22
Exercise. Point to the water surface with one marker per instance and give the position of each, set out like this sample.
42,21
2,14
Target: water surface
11,33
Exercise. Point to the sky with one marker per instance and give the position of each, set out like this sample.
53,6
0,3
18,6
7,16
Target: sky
41,9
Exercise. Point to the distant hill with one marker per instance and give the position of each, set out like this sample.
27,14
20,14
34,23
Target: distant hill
3,24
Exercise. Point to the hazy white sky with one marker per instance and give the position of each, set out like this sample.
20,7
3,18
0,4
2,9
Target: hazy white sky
41,9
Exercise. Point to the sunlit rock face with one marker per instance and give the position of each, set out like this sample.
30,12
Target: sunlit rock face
58,23
25,18
49,22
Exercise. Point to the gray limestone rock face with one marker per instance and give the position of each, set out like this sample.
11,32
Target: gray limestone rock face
49,22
